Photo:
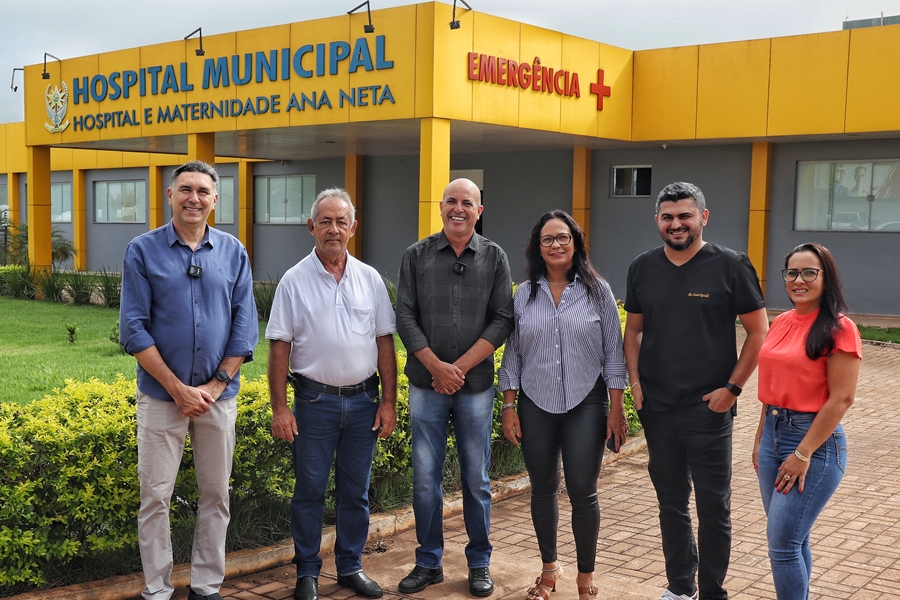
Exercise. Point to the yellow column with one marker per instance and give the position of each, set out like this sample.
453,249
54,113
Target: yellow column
40,248
79,219
154,197
202,146
434,172
245,206
353,183
581,190
12,196
758,234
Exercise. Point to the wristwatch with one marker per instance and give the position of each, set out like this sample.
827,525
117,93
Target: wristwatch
734,388
226,379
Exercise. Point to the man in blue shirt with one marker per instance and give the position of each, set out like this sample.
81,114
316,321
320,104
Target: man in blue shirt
189,317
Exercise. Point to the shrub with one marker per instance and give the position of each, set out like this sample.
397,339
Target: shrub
51,284
17,281
264,294
114,337
67,487
109,287
80,287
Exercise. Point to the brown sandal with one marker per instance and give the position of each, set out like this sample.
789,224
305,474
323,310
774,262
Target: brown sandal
589,591
538,592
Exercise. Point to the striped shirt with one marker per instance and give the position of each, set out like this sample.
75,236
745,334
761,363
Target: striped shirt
556,353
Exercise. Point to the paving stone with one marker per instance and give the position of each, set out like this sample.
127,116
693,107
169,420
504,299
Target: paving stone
855,544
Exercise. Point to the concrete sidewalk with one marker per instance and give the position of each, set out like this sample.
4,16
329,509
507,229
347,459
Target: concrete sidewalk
856,541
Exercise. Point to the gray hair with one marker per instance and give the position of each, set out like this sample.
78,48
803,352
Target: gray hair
334,192
196,166
679,191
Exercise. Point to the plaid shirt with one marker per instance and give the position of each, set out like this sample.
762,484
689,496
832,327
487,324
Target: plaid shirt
446,303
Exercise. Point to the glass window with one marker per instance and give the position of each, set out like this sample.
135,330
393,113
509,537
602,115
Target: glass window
848,196
61,202
631,180
120,202
283,199
224,211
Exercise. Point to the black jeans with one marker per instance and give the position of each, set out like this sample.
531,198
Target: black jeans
579,436
687,444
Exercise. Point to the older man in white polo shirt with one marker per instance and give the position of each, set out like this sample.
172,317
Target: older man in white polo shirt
331,335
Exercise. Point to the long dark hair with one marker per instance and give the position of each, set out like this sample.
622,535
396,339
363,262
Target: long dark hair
820,341
581,262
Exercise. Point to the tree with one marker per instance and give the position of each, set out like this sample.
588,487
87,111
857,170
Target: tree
15,249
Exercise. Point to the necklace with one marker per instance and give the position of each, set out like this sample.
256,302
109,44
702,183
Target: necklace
559,283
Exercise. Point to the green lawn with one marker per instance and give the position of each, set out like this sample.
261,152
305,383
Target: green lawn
36,356
879,334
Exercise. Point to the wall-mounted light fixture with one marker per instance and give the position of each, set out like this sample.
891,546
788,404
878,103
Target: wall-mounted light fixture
12,82
45,74
367,28
199,51
454,24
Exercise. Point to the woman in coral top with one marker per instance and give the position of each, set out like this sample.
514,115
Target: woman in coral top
808,368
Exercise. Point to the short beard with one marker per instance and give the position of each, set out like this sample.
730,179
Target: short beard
683,245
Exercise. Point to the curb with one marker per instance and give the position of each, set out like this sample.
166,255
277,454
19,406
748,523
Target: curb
254,560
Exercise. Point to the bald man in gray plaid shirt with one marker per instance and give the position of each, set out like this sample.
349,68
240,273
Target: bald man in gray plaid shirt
454,308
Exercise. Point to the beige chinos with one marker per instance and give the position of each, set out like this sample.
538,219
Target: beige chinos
161,434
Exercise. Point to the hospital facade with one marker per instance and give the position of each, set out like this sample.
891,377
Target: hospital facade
792,139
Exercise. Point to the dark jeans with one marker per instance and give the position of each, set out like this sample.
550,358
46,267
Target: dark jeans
687,444
578,436
340,427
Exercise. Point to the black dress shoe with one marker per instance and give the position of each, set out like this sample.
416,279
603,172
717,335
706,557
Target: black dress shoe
307,588
361,584
480,582
420,578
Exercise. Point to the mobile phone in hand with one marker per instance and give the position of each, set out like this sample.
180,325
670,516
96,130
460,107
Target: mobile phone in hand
611,444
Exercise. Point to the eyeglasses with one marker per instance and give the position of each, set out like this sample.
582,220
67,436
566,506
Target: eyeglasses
806,274
564,239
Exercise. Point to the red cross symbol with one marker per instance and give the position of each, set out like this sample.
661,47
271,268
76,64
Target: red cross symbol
600,89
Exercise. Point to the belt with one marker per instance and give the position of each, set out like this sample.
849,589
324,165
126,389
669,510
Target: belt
298,381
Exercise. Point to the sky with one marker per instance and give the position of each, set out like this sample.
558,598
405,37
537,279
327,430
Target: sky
81,27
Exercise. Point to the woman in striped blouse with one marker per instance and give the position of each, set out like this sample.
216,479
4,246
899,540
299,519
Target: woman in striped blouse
565,364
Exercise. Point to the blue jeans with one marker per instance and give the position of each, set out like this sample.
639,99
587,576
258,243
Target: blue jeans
340,427
472,415
791,516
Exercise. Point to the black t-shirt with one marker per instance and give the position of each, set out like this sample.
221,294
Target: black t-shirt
689,347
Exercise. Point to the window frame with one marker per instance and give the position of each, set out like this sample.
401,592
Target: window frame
818,178
263,202
140,201
634,181
58,217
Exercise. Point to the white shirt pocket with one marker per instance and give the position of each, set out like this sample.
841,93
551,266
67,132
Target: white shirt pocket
362,320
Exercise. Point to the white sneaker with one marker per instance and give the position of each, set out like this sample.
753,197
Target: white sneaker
667,595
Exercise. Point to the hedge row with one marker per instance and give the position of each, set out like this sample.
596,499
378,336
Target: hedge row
69,490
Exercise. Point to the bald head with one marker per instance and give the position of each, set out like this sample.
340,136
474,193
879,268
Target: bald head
460,209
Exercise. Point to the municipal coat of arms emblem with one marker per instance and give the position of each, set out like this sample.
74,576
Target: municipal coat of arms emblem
57,102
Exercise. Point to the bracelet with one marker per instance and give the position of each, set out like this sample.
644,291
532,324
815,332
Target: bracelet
508,405
634,384
800,456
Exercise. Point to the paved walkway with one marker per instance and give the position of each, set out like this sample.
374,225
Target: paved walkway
856,542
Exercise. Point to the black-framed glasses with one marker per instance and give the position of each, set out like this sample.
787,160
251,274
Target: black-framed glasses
806,274
564,239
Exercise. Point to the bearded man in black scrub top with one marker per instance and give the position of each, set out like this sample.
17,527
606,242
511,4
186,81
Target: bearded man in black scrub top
680,345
